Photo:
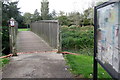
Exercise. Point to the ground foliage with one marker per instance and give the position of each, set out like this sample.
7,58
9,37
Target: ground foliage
81,40
78,39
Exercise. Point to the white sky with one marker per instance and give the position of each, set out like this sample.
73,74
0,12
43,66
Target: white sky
58,5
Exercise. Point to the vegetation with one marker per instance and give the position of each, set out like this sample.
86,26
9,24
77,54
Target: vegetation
4,61
82,66
5,40
9,9
24,29
80,40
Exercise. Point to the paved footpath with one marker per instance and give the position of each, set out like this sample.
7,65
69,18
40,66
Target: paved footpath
35,65
27,41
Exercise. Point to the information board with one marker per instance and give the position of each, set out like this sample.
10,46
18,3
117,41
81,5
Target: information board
108,36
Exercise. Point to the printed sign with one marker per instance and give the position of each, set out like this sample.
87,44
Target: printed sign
12,23
108,25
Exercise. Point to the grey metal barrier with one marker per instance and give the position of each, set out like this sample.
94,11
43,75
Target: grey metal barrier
49,30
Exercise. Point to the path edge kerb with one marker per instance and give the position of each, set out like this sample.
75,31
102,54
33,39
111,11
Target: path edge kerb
10,55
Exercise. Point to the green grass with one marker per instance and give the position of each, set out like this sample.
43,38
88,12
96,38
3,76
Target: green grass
25,29
83,65
4,61
81,40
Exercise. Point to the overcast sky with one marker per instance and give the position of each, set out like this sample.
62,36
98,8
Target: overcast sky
58,5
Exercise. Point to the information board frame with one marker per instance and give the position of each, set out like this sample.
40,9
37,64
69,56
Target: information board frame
107,67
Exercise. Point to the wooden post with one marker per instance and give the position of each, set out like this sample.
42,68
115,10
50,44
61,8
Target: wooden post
12,37
59,39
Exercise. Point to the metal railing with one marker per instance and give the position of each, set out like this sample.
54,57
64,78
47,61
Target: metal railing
49,30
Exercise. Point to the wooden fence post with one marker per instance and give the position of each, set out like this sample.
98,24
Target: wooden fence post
12,37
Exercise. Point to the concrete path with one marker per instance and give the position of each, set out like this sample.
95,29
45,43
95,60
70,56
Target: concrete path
42,65
35,65
27,41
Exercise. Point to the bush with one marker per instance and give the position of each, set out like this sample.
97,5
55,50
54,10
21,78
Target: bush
5,40
77,38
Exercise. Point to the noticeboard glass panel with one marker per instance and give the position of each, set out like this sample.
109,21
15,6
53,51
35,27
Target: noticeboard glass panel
108,35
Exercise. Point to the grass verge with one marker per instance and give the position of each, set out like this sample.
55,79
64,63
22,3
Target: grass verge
24,29
82,66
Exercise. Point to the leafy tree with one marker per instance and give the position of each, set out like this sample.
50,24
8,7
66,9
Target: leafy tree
54,14
45,9
28,18
9,10
0,13
74,18
36,16
63,20
88,16
62,13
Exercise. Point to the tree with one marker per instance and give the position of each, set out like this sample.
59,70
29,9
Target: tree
9,10
88,16
62,13
63,19
54,14
36,16
45,9
0,13
75,18
28,18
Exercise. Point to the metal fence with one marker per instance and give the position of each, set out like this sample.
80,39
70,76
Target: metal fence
48,30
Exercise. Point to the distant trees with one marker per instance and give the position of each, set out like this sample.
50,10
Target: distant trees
36,16
54,14
72,18
27,18
88,16
76,18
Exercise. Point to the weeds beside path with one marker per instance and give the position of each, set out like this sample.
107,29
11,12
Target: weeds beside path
4,61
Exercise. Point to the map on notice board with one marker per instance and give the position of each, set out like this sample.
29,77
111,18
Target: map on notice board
107,35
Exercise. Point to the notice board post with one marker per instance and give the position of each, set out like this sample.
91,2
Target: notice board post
107,38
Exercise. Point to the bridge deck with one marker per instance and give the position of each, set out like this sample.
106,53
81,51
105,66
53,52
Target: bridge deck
27,41
35,65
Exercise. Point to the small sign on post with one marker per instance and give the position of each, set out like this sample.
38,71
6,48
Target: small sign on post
107,36
12,22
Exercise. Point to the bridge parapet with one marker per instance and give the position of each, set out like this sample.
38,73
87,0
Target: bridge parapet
49,30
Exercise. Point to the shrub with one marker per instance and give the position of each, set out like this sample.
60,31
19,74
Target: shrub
5,40
77,38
